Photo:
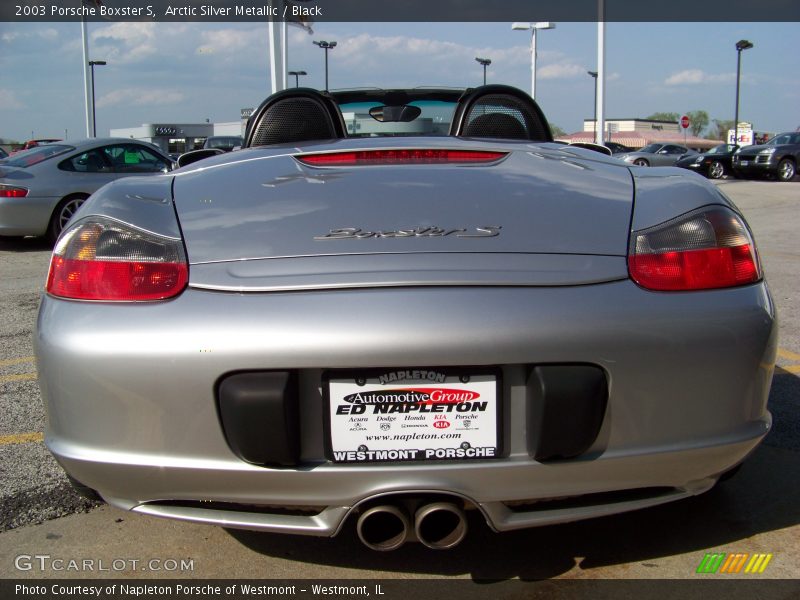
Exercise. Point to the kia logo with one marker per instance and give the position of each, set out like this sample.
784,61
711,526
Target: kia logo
441,424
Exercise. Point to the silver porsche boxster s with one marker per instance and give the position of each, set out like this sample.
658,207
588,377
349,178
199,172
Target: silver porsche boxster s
395,306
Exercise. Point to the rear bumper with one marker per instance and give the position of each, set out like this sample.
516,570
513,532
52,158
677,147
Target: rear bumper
26,216
511,493
754,168
132,411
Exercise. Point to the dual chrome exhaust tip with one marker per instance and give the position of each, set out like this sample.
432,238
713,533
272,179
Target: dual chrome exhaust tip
437,525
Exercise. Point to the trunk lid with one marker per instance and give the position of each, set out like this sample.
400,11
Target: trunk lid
541,215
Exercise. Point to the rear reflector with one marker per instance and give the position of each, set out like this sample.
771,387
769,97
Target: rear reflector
102,259
7,191
705,249
400,157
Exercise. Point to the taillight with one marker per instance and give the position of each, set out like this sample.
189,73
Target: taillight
704,249
103,259
399,157
8,191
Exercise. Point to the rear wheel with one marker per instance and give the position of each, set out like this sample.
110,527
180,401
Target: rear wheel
641,162
62,214
786,170
716,170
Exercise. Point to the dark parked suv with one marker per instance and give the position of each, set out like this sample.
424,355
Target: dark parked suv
778,157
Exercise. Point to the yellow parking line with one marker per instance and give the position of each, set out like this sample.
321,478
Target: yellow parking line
21,438
17,361
19,377
788,354
792,369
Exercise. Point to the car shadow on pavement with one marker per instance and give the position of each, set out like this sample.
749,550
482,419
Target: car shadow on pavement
24,244
763,496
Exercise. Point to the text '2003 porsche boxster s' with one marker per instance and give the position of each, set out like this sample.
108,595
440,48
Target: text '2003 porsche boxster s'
396,306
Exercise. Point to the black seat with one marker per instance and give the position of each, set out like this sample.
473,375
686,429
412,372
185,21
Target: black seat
94,163
294,115
499,111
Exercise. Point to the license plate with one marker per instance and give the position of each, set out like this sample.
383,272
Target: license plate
744,163
413,415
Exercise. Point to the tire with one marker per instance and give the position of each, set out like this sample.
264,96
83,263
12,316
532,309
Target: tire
62,214
641,162
716,170
786,170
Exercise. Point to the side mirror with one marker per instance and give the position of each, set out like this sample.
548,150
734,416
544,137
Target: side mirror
192,157
595,147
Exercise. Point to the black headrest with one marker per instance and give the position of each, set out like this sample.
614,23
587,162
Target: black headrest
294,115
498,125
499,111
94,163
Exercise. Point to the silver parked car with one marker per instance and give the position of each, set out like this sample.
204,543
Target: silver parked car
440,310
41,188
656,155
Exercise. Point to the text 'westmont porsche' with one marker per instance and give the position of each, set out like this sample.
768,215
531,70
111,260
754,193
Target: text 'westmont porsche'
398,306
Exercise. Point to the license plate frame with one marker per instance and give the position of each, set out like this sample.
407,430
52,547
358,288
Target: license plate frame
478,421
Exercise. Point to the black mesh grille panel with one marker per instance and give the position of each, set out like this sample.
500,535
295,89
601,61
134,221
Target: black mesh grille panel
293,120
503,116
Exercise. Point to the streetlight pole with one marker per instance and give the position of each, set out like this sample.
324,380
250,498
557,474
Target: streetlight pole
485,62
741,45
92,64
326,46
533,27
297,77
593,74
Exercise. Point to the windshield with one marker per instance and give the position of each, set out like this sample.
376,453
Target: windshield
784,138
722,149
223,142
651,148
433,120
36,155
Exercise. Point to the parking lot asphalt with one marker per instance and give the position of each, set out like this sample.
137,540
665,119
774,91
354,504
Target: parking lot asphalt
33,487
757,511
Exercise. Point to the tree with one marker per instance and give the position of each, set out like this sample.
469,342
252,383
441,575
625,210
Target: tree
698,120
719,129
557,131
664,116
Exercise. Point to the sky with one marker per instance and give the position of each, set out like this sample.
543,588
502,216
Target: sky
190,72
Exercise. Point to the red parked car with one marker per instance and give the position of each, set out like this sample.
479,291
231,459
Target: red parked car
33,143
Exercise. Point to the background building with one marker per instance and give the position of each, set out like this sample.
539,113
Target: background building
177,138
637,133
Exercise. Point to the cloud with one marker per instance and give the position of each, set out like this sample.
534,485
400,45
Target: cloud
376,50
124,43
560,71
370,53
697,76
229,41
48,34
140,97
8,100
130,43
